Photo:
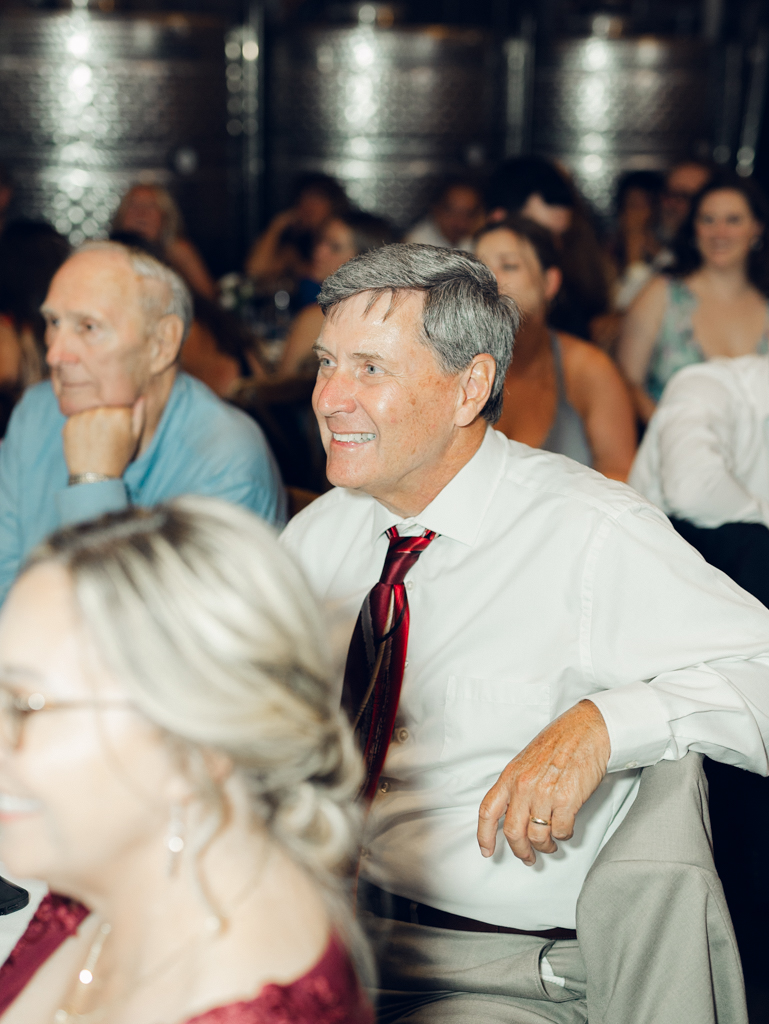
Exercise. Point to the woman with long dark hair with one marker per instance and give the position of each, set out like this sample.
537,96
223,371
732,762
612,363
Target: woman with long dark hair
562,394
713,302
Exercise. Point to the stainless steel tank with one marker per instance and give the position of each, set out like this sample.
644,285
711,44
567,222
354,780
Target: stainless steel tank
388,112
604,106
92,103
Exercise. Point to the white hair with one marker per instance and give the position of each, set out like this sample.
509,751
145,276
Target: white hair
211,628
147,267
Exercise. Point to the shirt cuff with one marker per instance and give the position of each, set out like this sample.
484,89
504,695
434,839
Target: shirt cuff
88,501
638,727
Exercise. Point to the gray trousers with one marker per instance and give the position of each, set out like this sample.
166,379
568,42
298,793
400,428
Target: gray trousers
654,928
432,974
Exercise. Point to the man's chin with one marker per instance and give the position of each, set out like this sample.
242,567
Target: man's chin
342,472
70,404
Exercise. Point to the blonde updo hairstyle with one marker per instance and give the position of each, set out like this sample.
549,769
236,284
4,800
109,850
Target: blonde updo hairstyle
211,628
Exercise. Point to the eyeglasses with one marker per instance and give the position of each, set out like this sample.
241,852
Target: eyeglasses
15,710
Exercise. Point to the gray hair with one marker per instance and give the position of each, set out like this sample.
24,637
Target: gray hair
210,627
463,314
147,267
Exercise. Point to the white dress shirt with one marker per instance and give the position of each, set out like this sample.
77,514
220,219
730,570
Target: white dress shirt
547,583
705,454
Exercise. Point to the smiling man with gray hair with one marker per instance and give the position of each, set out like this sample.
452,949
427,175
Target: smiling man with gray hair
118,423
516,637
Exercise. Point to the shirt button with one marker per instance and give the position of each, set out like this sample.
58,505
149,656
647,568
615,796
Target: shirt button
409,585
384,787
406,663
365,852
632,764
402,735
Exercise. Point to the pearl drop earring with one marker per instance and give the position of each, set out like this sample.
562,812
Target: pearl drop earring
175,838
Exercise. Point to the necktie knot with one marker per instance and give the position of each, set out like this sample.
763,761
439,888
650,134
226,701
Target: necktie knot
402,554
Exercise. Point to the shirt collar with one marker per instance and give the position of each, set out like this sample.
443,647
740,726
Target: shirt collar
458,510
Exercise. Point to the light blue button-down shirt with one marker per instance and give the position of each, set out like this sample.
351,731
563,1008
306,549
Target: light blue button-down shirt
201,446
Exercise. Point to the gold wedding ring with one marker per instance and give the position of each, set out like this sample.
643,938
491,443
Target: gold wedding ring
539,821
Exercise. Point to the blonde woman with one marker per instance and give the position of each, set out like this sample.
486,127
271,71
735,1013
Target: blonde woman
150,212
174,766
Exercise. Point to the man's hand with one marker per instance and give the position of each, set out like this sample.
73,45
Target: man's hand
550,779
103,440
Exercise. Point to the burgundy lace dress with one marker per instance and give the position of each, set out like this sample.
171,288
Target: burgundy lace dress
328,994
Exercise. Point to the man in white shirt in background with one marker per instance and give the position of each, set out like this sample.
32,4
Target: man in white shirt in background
454,217
560,636
704,460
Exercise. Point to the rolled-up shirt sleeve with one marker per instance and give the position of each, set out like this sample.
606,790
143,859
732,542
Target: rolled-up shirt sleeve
678,653
88,501
694,440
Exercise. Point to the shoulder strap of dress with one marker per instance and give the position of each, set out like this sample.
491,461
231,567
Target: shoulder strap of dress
560,382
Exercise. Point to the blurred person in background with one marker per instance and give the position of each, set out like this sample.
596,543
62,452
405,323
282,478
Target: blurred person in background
279,399
454,217
6,194
650,214
30,254
218,349
532,187
561,394
704,461
535,188
682,184
118,423
150,211
713,301
343,237
188,799
283,253
636,247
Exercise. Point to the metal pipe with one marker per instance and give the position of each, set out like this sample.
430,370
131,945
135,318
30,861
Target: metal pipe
712,19
754,107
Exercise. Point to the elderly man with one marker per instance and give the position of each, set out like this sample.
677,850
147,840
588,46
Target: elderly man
118,423
553,636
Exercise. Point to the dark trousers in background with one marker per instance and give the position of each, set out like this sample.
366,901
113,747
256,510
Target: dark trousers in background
739,800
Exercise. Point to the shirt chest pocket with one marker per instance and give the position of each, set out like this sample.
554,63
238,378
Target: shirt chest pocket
488,721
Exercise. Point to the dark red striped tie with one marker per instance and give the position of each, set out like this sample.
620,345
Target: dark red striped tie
377,656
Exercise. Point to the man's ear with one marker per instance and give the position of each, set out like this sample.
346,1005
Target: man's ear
476,383
166,342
